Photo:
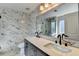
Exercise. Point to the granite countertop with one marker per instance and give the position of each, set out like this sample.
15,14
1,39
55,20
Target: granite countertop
74,41
51,51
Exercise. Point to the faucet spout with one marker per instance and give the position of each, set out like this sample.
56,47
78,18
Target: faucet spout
59,36
37,34
64,35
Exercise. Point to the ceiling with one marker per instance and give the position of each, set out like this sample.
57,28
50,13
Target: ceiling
24,7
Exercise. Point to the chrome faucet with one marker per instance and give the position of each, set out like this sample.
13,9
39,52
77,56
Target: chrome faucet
37,34
66,42
64,35
59,36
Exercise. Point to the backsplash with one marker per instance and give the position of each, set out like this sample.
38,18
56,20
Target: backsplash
14,26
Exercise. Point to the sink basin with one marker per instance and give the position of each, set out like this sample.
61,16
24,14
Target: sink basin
57,47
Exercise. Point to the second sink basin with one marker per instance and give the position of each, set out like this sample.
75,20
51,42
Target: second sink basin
57,47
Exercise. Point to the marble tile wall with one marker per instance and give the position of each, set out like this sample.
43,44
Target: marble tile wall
14,26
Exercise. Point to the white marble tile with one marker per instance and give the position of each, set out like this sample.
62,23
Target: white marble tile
12,30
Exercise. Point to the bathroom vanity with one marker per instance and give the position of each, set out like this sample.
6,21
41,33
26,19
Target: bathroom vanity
42,47
33,50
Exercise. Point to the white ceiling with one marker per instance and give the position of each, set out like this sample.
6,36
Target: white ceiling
20,6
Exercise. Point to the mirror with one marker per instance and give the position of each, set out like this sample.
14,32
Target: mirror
64,20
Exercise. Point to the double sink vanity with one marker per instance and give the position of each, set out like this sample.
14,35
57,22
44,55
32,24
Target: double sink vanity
35,46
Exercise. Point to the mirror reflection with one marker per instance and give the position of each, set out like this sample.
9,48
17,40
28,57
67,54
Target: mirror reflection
60,20
49,27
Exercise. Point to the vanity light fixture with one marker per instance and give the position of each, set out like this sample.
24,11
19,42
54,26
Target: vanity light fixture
44,7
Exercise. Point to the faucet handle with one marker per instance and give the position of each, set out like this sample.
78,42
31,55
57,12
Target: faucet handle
65,44
55,41
65,35
40,32
36,32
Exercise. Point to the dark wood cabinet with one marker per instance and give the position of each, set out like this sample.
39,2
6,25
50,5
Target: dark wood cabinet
32,50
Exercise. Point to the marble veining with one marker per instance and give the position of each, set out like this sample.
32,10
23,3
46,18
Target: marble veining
12,30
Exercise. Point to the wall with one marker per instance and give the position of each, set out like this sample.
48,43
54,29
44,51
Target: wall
34,21
72,25
14,26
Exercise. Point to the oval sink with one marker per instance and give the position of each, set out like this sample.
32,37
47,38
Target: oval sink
57,47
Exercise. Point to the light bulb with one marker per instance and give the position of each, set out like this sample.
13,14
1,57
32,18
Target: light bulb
41,7
46,5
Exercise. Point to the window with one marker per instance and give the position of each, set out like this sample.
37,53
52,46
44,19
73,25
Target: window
61,25
53,26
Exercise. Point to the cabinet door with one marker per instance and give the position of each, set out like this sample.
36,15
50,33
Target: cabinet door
35,51
26,47
40,53
30,50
